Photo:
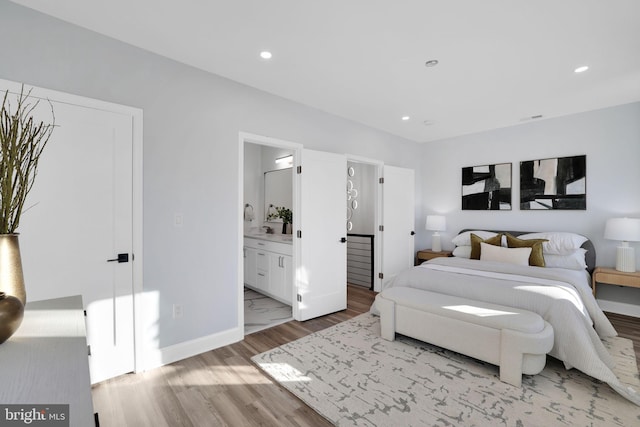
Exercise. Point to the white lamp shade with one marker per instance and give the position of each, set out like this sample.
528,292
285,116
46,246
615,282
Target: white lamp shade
623,229
436,223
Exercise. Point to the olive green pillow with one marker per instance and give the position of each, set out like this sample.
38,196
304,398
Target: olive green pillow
476,240
536,258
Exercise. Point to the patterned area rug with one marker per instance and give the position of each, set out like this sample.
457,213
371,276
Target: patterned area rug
351,376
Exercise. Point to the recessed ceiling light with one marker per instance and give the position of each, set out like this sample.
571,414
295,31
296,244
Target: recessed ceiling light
581,69
405,118
265,54
431,63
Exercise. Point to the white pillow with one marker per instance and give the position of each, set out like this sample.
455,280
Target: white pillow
519,256
559,243
462,252
464,239
573,261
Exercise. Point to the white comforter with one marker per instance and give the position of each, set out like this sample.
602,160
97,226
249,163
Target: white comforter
562,297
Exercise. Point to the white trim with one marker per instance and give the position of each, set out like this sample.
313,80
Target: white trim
361,159
69,98
163,356
240,257
137,238
267,140
272,142
619,307
137,188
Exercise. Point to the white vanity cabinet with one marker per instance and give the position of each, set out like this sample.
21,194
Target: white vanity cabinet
268,267
250,266
281,277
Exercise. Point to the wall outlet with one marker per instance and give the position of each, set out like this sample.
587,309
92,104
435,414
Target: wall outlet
178,220
177,311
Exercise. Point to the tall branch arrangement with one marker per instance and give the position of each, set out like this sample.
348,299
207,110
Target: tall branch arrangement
22,140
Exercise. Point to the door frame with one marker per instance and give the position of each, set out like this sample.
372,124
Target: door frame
377,244
137,189
244,137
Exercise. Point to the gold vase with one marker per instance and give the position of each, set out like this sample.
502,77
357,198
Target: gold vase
11,314
11,277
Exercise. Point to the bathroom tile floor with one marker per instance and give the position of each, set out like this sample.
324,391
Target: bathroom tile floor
261,312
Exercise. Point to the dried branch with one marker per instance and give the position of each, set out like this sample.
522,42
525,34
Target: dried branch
22,141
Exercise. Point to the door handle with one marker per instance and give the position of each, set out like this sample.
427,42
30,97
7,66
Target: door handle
413,233
343,240
121,258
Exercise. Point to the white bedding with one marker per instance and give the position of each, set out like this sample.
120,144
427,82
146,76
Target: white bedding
562,297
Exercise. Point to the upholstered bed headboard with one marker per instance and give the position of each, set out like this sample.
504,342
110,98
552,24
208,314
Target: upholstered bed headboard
590,256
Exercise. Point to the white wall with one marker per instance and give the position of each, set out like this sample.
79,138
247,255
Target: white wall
191,125
609,137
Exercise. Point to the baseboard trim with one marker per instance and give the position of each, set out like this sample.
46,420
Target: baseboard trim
619,307
163,356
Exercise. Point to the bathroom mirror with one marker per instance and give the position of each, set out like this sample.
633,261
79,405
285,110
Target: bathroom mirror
278,191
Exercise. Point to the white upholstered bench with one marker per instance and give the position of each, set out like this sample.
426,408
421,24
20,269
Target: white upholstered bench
514,339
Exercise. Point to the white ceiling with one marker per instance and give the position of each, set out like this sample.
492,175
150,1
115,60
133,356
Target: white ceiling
501,61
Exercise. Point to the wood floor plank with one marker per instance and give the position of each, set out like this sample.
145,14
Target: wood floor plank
193,400
627,327
224,388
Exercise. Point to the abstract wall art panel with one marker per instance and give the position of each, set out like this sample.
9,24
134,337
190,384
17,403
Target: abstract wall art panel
486,187
554,184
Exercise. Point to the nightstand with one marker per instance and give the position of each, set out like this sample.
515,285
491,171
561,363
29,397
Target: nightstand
427,254
611,276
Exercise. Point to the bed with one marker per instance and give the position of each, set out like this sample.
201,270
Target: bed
560,292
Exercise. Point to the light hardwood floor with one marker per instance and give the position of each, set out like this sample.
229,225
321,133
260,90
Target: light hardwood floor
223,388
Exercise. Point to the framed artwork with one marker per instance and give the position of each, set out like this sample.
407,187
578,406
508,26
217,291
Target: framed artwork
486,187
554,184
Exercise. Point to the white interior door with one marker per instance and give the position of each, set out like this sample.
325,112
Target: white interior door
398,218
80,216
321,276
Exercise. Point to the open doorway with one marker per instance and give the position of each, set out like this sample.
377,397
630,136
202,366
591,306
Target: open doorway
267,241
362,201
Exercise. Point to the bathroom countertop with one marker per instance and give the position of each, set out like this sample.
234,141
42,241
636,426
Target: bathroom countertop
280,238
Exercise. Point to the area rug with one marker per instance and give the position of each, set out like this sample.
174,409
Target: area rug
351,376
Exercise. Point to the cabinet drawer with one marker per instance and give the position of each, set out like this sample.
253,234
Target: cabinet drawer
263,280
281,248
254,243
277,247
262,260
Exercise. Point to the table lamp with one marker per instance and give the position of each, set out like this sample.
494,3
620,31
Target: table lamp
625,230
436,223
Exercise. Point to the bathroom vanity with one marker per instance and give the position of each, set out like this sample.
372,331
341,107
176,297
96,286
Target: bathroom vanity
268,265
